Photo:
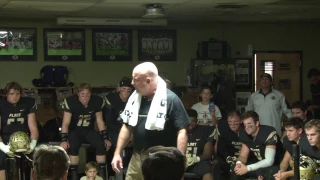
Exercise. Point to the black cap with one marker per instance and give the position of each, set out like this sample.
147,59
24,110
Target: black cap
313,72
192,113
126,83
266,75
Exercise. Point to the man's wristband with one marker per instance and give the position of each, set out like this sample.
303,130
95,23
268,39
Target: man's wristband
64,137
104,134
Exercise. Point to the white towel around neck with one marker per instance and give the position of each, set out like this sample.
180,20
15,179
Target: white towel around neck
157,112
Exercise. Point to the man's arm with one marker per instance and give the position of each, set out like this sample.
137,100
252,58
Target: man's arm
284,107
244,153
66,122
284,167
123,139
285,162
32,124
182,140
268,160
249,106
4,148
100,122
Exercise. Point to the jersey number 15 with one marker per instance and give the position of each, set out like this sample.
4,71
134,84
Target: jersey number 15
84,121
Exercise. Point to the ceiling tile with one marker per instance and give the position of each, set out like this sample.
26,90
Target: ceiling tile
145,1
61,1
47,6
217,2
177,10
119,6
51,4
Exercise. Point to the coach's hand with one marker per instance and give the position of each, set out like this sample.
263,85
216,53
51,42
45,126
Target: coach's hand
117,163
65,145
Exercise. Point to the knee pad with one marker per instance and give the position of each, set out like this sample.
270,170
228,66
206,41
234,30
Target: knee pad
102,170
73,172
101,150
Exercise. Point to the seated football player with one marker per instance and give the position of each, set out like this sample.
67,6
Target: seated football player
80,113
115,104
294,129
200,147
309,143
263,141
228,145
17,114
299,109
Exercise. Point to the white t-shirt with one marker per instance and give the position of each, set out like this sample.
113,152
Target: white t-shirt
97,178
204,116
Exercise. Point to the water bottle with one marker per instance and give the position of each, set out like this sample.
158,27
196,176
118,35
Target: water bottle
188,78
211,106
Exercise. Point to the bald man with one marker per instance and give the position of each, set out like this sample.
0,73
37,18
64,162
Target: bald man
145,80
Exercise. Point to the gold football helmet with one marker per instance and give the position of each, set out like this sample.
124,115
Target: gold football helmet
19,142
307,168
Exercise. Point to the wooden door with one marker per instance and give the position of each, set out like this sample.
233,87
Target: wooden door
285,70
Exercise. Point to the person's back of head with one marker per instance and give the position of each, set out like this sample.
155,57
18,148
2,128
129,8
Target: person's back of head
163,163
50,163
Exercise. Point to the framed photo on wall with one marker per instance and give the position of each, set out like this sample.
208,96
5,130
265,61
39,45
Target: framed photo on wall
243,73
157,45
242,100
18,44
111,45
64,44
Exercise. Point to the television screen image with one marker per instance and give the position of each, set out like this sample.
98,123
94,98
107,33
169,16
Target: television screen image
17,42
110,43
64,43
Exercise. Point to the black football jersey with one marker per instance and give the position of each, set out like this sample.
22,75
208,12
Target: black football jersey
198,138
266,136
288,145
83,116
14,117
228,141
114,107
306,148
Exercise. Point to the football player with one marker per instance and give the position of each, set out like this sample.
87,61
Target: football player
299,109
17,114
294,129
228,144
115,104
263,141
80,113
310,142
201,141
